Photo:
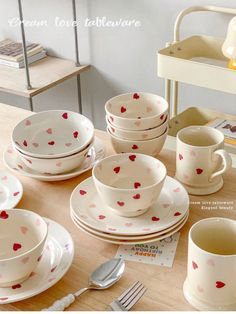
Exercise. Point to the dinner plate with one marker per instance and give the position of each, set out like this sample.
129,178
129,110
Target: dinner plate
132,242
54,263
11,190
171,206
14,163
120,237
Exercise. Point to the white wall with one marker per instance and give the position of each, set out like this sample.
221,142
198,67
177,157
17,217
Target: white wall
123,59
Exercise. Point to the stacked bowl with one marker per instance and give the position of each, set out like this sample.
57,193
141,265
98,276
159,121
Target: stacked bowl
137,122
53,142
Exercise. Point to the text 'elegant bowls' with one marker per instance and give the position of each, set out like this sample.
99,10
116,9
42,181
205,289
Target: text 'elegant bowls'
150,147
129,183
55,165
137,135
53,134
22,238
136,111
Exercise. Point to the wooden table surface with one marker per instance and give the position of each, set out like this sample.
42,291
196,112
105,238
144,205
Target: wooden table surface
51,199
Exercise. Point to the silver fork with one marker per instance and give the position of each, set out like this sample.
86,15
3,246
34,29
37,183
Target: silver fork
129,298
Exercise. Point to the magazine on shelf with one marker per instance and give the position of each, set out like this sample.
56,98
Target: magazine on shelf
21,64
228,128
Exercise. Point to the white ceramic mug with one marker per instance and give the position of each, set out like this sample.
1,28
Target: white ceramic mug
201,159
211,277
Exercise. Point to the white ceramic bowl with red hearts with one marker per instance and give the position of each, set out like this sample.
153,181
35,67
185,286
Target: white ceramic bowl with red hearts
129,183
136,111
53,134
149,147
23,235
55,165
137,135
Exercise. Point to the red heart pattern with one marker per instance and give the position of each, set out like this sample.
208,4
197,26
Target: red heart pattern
27,122
76,134
16,246
53,269
49,131
3,214
219,284
25,143
122,109
135,146
116,169
17,286
136,96
101,217
65,115
162,117
136,197
137,185
181,157
132,157
16,193
4,299
155,218
177,214
112,119
199,170
120,203
82,192
51,143
194,264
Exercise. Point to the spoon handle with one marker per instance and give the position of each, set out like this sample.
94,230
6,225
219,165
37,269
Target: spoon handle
62,304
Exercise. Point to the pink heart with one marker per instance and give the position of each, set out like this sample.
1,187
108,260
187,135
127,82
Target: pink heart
68,144
51,279
176,190
194,264
210,262
25,143
101,217
113,130
200,289
3,298
166,205
53,269
146,229
137,123
49,131
180,157
162,117
148,109
111,118
4,178
111,229
129,224
65,115
193,153
24,230
35,145
38,222
59,164
25,260
92,206
27,122
16,193
10,151
145,135
120,203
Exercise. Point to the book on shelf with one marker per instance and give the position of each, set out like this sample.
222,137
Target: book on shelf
228,128
21,64
13,51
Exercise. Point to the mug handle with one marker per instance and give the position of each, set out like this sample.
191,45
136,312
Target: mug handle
226,161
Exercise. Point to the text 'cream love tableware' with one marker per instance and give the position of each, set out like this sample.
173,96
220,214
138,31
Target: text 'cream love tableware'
22,238
56,259
129,184
149,147
136,111
11,190
210,283
137,135
55,165
102,278
14,163
52,134
130,237
201,159
171,206
131,242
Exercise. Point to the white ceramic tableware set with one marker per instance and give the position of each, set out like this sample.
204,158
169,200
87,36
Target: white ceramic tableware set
129,199
137,122
53,142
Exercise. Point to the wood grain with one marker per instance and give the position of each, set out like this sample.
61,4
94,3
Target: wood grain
51,199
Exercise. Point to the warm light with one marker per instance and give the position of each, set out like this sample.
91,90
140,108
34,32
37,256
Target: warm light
229,45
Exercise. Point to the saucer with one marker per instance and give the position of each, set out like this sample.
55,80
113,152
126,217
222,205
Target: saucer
54,263
14,163
132,242
171,206
110,235
11,190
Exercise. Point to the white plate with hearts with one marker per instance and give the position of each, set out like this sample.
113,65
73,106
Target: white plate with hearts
13,162
11,190
172,205
120,237
131,242
54,263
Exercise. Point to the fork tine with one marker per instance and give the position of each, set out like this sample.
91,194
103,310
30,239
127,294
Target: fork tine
136,299
132,293
127,291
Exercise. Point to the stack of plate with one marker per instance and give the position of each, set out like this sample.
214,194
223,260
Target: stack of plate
165,217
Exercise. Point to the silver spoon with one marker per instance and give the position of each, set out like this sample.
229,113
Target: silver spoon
102,278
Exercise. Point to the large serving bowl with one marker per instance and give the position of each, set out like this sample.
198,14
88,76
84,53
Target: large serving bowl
150,147
22,238
53,134
137,135
129,183
55,165
136,111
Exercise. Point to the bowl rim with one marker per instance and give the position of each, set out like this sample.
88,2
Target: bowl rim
140,141
135,119
130,189
46,156
37,245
